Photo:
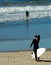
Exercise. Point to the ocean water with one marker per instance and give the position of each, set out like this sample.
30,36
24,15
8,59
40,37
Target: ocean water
13,0
17,32
20,0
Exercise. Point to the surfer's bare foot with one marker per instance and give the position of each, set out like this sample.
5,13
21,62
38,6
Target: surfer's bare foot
38,58
35,59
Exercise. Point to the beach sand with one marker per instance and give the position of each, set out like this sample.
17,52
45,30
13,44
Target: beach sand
24,58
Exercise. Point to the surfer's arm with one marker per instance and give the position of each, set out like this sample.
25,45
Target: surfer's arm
31,44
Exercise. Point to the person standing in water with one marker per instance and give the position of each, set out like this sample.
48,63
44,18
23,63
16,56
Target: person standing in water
35,44
27,14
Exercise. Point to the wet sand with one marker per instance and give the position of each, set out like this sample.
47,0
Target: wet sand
24,58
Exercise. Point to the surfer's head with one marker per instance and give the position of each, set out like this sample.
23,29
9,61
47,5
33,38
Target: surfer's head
38,36
35,36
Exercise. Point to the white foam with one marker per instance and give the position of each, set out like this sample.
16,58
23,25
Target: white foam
23,8
17,13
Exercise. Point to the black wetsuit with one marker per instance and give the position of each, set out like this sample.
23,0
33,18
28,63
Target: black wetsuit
27,14
35,46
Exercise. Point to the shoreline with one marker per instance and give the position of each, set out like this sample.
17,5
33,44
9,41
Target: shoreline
48,49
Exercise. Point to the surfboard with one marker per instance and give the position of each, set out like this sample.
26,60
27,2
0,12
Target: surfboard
40,51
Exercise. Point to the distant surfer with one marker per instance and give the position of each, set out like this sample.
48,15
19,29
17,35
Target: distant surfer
27,14
35,42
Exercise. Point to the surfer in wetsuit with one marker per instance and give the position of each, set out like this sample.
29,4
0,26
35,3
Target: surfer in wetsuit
35,42
27,14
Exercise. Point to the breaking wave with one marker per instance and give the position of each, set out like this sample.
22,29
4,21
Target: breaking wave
18,12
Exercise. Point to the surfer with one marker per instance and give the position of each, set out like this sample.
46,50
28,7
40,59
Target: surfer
35,42
27,14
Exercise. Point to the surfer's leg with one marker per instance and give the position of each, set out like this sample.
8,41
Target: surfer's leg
38,58
35,55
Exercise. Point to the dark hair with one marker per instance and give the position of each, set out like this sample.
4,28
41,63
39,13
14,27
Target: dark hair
38,38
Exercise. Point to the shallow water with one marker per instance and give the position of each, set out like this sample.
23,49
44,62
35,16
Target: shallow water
22,45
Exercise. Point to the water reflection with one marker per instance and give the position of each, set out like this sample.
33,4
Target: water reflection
26,29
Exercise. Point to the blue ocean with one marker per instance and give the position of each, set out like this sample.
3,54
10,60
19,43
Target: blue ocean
17,32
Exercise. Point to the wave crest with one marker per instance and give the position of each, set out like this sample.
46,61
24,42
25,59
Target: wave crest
17,13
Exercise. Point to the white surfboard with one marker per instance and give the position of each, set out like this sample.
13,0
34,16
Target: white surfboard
40,51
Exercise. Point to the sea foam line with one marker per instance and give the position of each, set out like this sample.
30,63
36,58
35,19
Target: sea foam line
23,8
18,13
